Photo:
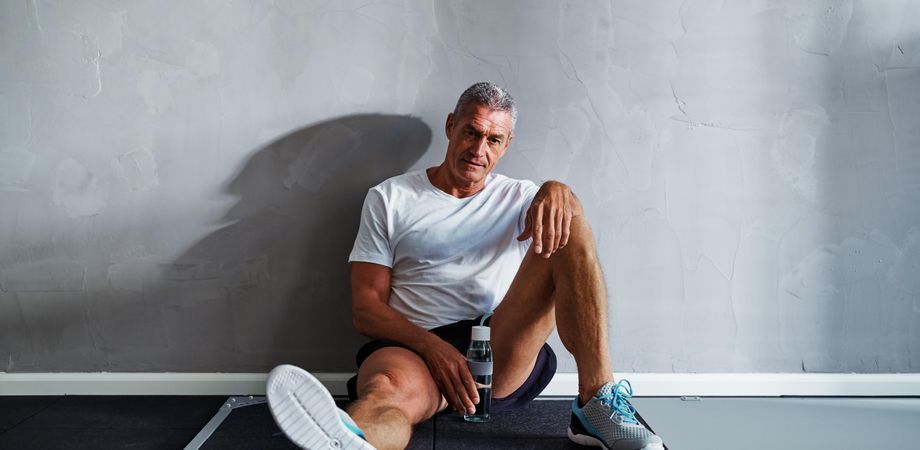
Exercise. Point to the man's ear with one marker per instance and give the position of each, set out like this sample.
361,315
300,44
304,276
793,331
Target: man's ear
449,125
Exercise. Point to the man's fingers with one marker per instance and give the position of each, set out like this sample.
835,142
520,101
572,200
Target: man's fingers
537,222
566,228
446,383
560,222
549,233
447,389
466,403
528,227
470,385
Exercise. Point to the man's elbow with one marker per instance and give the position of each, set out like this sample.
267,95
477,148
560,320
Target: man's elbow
360,322
357,322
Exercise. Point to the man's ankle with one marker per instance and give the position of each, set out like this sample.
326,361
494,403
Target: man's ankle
587,391
585,396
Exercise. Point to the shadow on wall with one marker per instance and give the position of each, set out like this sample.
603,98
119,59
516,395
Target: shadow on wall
272,284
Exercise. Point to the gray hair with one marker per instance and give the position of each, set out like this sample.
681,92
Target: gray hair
489,95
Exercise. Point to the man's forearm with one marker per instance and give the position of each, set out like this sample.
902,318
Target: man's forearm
380,321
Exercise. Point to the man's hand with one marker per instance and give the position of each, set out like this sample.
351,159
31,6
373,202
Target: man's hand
452,375
549,218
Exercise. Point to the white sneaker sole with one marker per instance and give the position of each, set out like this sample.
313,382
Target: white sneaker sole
306,412
590,441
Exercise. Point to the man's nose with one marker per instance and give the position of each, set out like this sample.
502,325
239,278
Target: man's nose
481,147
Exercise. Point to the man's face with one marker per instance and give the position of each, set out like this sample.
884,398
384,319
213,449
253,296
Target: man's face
477,138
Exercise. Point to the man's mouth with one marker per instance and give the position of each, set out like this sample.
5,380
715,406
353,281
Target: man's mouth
472,163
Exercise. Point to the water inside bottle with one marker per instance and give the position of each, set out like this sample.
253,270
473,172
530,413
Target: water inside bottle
485,402
484,406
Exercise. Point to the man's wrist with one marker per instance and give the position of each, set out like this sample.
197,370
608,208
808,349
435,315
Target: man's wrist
424,342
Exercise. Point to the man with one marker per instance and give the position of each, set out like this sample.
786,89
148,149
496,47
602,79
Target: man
436,251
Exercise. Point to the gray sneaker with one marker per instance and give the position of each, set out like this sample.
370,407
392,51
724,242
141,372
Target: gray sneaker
608,421
306,412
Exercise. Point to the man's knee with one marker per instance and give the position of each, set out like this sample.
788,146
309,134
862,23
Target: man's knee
403,382
387,382
581,241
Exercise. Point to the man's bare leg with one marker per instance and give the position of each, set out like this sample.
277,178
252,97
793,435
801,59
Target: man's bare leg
395,392
581,309
566,291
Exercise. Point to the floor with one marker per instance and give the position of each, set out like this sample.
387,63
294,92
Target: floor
170,422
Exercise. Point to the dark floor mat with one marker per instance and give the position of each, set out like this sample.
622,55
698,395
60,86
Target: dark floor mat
253,427
539,425
15,409
94,422
171,422
126,412
95,438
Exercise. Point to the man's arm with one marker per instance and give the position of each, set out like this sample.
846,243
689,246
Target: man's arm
549,218
373,317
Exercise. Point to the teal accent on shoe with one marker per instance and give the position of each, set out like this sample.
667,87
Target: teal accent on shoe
584,420
616,400
351,425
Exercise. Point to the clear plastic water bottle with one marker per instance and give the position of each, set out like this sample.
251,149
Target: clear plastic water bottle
479,358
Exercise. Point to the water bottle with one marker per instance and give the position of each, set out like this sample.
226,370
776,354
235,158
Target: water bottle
479,359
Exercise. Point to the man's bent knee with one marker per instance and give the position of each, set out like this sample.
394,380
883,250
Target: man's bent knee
386,382
581,241
398,377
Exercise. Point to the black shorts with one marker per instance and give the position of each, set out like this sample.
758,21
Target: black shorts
458,335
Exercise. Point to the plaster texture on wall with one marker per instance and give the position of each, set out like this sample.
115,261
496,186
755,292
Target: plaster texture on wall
181,181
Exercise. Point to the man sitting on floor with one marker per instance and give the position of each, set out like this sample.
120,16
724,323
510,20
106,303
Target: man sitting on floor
437,250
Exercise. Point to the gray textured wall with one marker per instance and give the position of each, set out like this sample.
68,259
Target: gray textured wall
181,180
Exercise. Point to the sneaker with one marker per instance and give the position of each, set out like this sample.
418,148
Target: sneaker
608,421
306,413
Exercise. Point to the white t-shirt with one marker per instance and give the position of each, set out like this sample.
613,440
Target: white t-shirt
451,258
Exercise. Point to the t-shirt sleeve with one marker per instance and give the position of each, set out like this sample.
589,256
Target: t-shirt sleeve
373,244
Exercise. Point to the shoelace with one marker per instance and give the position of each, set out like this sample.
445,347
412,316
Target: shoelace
616,400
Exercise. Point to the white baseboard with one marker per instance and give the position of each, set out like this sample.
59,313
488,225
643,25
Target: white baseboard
755,384
563,384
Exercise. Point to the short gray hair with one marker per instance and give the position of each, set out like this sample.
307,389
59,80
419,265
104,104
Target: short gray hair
489,95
